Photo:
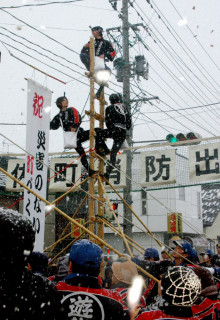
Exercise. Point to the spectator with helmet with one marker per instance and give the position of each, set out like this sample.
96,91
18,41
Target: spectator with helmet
103,48
81,293
151,254
23,295
158,268
193,257
71,121
118,120
207,259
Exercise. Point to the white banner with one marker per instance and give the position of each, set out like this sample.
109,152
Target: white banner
158,167
70,171
117,178
37,143
204,162
16,168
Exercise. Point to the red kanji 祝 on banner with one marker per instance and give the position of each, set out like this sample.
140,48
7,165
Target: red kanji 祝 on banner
38,105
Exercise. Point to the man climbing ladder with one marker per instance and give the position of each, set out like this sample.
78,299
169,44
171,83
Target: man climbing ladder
71,121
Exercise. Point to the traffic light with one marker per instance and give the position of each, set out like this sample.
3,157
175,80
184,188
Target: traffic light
115,208
181,137
171,138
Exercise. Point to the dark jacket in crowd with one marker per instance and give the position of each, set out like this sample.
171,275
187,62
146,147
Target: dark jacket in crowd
102,46
25,296
83,295
70,118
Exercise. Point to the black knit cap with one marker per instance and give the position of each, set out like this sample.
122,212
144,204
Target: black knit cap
180,286
16,235
38,262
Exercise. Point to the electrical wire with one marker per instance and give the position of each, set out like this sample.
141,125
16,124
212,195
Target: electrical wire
169,29
40,32
211,104
42,54
39,4
171,74
42,48
45,63
196,38
216,114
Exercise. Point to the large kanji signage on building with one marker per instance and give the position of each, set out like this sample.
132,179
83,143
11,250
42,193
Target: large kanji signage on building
204,162
69,174
37,143
16,167
117,177
157,167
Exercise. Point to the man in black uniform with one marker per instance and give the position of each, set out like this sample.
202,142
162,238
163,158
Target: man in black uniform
118,120
103,48
71,121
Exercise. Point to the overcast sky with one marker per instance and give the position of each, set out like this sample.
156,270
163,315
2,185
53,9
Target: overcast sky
183,56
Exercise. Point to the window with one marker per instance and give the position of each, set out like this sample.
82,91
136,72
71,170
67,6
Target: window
182,194
144,202
198,205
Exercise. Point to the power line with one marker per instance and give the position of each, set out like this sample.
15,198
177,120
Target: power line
217,115
41,47
39,4
205,105
14,24
41,54
196,38
44,63
181,45
40,32
158,59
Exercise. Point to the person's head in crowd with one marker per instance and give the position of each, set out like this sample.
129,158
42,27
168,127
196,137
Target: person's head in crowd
218,248
180,286
85,258
123,273
207,257
193,256
38,263
16,240
52,269
151,254
209,289
62,266
125,257
182,250
164,255
97,32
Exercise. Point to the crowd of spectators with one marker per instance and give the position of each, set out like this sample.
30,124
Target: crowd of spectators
187,288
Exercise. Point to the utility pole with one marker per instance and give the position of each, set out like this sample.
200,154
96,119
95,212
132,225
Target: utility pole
127,103
126,70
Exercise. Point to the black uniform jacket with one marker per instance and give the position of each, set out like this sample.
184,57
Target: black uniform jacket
102,46
70,118
117,115
82,296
